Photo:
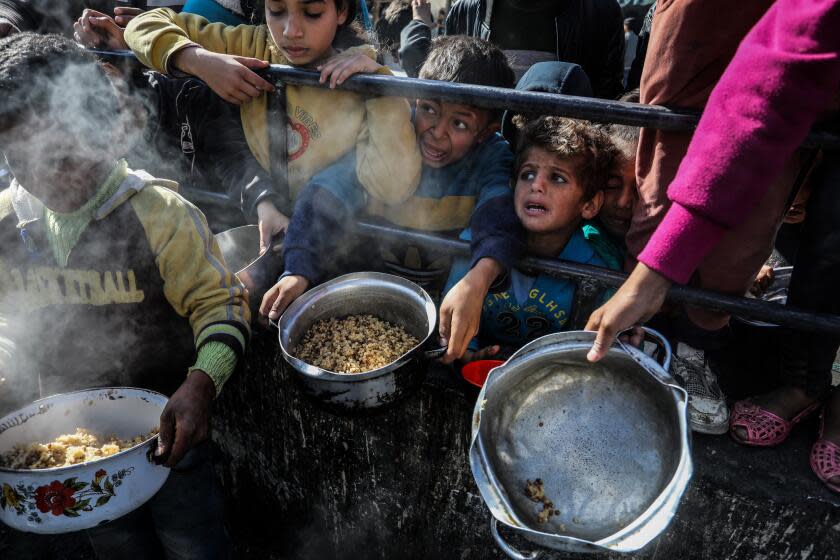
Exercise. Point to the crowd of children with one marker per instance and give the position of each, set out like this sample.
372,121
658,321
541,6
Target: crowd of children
125,275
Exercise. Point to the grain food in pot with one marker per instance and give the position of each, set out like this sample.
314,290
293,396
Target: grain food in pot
68,449
353,344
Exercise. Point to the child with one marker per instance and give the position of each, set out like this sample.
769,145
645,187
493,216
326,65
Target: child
620,193
561,167
322,125
465,182
110,278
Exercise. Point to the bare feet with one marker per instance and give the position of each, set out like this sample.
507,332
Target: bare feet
785,402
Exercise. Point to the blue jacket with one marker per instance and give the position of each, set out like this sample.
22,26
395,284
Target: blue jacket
473,192
532,306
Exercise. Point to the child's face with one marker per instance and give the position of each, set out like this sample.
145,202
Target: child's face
548,195
50,162
620,196
446,132
304,30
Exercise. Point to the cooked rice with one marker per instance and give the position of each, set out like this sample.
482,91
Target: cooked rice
68,449
354,344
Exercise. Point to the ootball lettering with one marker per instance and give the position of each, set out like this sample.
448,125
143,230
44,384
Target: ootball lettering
42,286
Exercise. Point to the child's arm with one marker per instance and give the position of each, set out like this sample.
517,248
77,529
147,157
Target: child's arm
218,54
387,156
320,220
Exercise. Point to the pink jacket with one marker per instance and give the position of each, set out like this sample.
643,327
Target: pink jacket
784,74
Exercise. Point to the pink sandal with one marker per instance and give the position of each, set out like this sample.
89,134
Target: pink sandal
825,459
764,428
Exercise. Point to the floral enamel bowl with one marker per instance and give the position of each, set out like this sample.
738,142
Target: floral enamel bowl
66,499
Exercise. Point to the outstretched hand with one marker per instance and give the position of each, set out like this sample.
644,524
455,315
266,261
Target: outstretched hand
281,295
636,301
422,10
97,30
460,310
341,66
230,76
270,221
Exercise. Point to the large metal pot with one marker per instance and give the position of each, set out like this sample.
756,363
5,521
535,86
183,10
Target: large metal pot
258,272
388,297
609,441
66,499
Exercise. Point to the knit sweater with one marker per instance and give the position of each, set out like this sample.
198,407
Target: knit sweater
784,75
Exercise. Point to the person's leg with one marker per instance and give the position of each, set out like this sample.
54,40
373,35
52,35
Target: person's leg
807,358
188,512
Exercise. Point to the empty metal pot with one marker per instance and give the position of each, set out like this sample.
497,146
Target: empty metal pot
258,272
609,441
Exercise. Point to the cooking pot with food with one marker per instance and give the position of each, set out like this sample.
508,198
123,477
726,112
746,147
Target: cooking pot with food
581,457
87,494
387,297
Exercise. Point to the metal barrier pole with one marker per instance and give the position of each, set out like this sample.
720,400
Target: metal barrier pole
751,308
598,110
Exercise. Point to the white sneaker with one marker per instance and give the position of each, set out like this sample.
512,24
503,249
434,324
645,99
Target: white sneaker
707,410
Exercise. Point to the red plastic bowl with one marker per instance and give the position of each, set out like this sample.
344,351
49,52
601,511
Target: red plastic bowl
476,372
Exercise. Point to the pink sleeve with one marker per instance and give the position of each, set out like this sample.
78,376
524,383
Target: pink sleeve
784,74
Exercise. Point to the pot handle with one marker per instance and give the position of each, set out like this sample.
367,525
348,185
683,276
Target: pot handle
508,549
657,338
434,353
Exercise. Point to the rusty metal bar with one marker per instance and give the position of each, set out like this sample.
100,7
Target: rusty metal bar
750,308
599,110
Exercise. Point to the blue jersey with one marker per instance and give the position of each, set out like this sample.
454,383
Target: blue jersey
531,306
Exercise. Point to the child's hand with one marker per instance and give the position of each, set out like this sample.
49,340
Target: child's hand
97,30
763,280
484,354
270,221
228,75
185,420
122,15
284,292
460,310
422,10
342,66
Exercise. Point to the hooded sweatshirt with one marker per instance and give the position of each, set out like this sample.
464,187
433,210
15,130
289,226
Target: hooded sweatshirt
129,290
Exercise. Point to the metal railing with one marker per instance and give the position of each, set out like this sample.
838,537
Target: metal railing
598,110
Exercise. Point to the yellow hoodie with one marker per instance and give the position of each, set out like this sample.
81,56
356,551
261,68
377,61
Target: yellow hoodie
323,124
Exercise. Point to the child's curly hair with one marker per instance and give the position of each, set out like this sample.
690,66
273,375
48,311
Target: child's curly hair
582,141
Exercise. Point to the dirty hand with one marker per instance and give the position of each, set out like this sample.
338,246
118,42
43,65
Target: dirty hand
484,354
422,10
185,421
228,75
97,30
460,310
277,299
762,280
270,221
641,295
122,15
341,66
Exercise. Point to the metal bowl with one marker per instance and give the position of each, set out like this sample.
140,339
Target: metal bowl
608,440
66,499
388,297
258,272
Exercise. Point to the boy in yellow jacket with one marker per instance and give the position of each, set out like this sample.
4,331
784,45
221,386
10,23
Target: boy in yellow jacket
109,278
